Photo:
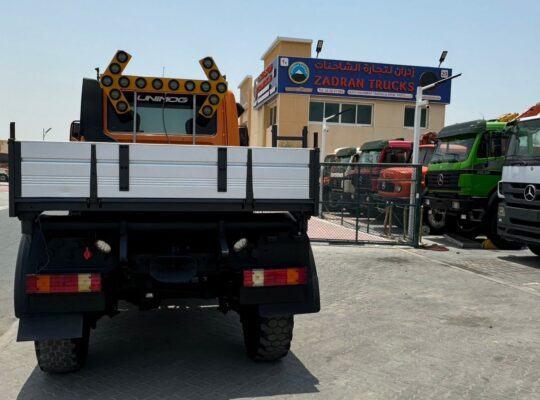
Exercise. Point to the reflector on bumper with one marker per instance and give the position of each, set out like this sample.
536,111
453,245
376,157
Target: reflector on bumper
275,277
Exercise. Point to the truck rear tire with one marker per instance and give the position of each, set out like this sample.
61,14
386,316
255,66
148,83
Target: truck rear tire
267,339
62,355
534,249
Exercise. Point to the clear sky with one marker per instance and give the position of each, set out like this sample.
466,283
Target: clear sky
47,47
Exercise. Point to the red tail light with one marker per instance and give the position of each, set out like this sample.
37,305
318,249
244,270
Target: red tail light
275,277
68,283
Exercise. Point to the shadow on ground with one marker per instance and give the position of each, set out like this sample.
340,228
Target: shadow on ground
527,261
185,352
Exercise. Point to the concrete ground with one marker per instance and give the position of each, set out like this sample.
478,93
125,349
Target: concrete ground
396,323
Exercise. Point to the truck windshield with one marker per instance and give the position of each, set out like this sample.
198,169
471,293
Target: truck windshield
526,142
453,149
161,114
425,154
370,157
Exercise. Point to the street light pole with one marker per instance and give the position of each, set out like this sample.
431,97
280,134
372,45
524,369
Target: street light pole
321,153
420,103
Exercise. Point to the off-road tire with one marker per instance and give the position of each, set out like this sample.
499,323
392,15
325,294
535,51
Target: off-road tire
267,339
61,355
535,249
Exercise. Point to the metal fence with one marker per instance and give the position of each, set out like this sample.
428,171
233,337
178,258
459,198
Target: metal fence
369,203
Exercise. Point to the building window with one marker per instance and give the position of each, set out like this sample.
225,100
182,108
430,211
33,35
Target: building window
360,114
409,118
331,109
316,111
349,114
363,114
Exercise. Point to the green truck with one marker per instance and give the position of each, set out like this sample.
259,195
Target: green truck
462,178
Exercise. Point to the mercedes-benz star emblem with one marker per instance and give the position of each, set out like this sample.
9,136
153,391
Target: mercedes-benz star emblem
530,192
440,179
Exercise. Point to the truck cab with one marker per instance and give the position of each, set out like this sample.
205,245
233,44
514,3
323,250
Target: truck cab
519,188
364,177
463,174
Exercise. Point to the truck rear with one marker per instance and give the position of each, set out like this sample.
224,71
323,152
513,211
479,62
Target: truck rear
155,199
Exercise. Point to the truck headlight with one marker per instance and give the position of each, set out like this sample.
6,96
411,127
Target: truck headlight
501,212
455,205
398,188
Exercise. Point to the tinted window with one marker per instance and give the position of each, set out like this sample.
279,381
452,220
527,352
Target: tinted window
316,111
409,117
349,114
331,109
363,114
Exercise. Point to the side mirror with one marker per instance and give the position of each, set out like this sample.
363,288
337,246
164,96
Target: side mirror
75,131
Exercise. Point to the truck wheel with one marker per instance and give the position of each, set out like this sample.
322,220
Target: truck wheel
62,355
436,221
3,178
491,233
535,249
267,339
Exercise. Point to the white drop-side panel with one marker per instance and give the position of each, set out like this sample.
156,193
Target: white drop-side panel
55,169
171,172
280,173
162,171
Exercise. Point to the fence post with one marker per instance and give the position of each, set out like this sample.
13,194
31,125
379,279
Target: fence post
315,140
304,137
417,227
274,135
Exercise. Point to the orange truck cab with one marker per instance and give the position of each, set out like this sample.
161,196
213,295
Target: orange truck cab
395,183
364,177
164,108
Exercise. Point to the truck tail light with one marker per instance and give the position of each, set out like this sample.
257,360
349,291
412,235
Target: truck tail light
275,277
68,283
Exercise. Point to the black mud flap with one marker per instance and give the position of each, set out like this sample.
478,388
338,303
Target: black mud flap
51,326
312,303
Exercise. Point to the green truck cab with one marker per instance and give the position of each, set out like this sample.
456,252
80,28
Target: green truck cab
462,178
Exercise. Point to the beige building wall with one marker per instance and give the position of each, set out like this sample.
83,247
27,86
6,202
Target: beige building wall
387,123
3,146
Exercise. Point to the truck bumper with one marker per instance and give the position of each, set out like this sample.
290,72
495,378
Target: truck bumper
520,225
473,209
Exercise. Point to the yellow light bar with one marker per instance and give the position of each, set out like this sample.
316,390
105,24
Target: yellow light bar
114,83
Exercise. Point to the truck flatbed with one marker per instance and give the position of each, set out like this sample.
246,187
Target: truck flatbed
85,176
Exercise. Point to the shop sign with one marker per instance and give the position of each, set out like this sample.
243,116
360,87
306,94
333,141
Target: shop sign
358,79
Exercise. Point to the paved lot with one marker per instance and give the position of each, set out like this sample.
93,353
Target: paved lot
396,323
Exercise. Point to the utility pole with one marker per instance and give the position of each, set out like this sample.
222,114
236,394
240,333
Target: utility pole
420,103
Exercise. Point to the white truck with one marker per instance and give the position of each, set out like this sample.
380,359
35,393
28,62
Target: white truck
519,213
160,198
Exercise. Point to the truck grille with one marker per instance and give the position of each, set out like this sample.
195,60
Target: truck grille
386,186
443,180
520,195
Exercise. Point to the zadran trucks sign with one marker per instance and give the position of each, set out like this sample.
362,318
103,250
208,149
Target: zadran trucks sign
353,79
